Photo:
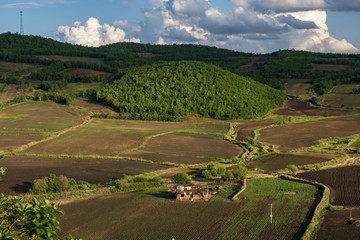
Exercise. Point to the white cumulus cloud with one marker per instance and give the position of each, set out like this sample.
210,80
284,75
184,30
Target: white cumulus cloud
91,33
251,25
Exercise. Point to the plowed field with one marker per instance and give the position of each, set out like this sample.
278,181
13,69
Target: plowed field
22,171
186,148
343,182
335,225
279,161
300,135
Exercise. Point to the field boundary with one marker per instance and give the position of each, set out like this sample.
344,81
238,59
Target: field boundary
242,189
324,202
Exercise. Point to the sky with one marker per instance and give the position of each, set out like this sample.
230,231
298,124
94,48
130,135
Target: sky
257,26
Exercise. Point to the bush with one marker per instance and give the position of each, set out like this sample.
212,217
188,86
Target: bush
236,161
40,186
227,176
121,184
216,170
206,174
53,184
292,168
240,173
182,178
64,183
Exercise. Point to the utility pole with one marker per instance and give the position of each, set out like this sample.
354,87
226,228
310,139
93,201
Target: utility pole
271,215
21,23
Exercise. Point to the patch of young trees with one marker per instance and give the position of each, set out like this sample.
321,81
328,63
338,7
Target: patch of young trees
55,184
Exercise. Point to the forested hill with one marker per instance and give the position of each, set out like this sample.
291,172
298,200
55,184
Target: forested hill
190,88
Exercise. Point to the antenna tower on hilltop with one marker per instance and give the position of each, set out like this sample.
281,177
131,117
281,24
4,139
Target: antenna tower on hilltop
21,24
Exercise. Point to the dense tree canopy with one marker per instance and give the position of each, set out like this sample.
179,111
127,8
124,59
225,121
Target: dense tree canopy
190,88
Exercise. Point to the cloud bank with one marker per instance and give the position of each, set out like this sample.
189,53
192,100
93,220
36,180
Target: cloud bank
251,25
92,34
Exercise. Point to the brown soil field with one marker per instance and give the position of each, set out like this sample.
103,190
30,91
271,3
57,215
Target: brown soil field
300,135
336,225
342,95
280,161
108,137
343,183
25,123
303,108
87,72
69,58
329,67
22,170
93,107
186,148
247,129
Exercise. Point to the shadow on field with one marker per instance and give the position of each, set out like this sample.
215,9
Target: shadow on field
309,216
21,188
162,194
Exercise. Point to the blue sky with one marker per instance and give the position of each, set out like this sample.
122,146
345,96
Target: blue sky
244,25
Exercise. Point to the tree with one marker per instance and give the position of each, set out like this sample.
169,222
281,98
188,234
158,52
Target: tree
33,220
182,178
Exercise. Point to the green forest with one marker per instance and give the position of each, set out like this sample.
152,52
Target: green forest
153,82
189,88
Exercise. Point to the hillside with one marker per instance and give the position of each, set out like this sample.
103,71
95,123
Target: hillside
190,88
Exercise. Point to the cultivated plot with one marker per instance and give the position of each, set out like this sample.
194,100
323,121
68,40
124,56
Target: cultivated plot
22,171
300,135
280,161
24,123
343,183
337,225
112,137
186,148
130,215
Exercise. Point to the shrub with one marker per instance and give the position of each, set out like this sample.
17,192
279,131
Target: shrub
182,178
53,184
121,184
40,186
236,161
206,174
227,176
216,170
240,173
64,182
292,168
157,179
250,140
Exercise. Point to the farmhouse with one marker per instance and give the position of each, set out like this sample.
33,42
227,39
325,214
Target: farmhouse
191,192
